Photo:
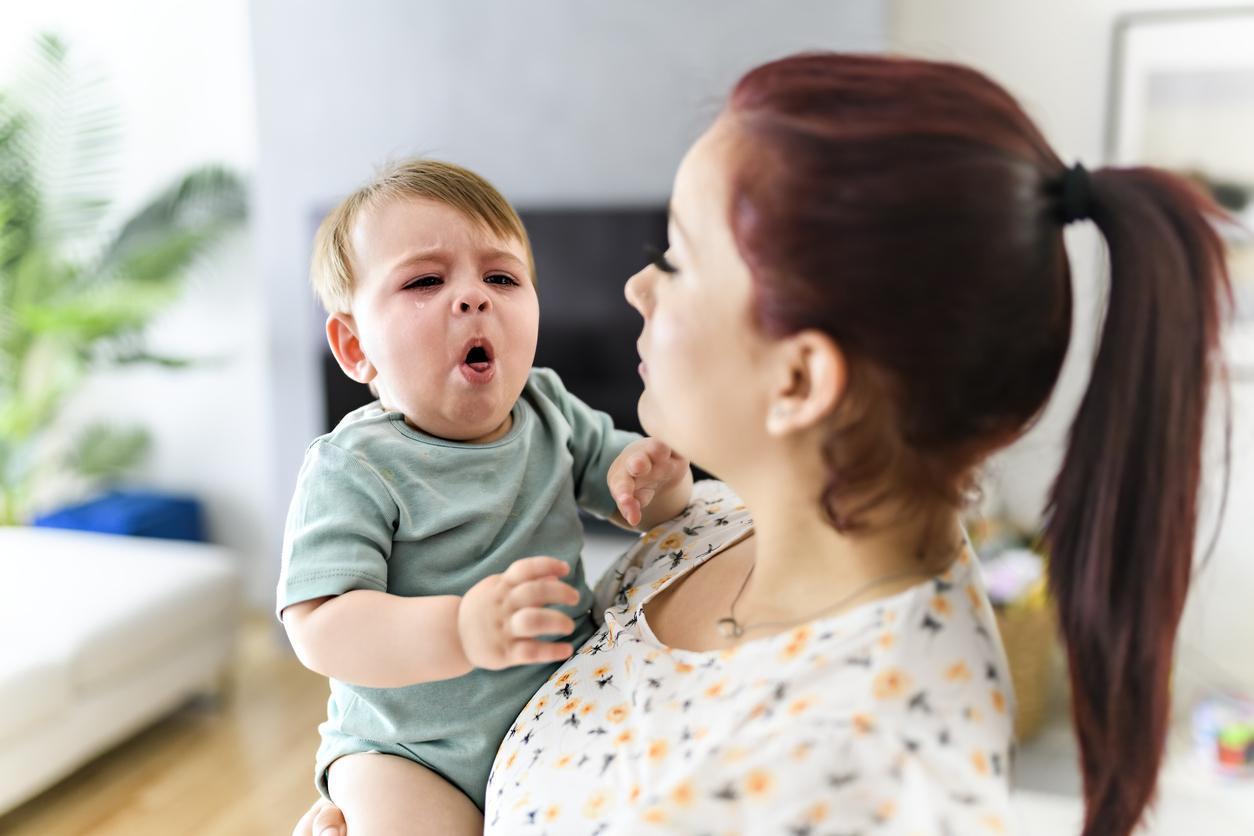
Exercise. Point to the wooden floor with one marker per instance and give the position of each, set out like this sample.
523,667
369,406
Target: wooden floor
231,766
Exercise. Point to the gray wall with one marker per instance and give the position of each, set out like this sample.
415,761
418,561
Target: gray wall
566,101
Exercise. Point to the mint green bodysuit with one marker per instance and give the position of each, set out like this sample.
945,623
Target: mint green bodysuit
381,505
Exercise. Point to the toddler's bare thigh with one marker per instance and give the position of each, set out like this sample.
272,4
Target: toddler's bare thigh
385,794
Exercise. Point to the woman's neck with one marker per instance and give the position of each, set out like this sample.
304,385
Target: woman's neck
801,564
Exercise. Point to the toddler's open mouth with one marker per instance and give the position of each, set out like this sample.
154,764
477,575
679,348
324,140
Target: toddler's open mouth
479,361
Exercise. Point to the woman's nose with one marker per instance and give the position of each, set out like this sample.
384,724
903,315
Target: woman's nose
638,291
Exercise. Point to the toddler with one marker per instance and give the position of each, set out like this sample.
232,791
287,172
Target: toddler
431,553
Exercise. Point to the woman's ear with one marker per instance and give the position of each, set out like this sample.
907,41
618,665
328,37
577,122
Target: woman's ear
811,379
342,337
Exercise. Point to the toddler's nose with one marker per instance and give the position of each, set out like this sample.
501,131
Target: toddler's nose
471,301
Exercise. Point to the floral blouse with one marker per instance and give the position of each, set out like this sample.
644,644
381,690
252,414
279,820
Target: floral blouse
890,718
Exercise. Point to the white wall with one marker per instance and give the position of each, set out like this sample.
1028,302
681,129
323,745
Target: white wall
557,102
182,76
1054,57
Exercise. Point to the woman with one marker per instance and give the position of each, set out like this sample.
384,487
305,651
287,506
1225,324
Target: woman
866,294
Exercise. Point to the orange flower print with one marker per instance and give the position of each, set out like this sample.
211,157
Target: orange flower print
863,724
509,764
541,703
587,708
958,672
801,751
979,762
569,706
941,604
758,711
700,733
671,543
759,783
655,815
617,714
633,795
683,794
999,701
716,690
564,678
734,754
713,509
964,557
660,582
564,761
652,534
886,641
800,705
684,667
994,824
973,595
791,651
885,811
890,616
889,684
624,737
658,750
552,812
801,635
600,672
597,805
817,813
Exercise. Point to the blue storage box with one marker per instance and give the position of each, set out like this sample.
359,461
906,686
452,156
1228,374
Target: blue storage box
137,513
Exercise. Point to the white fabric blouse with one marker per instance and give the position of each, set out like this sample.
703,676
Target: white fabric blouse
890,718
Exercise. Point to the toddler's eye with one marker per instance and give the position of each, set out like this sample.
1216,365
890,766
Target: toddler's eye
423,281
501,278
659,260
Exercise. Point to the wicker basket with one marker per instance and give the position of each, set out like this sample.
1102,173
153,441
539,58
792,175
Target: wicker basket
1029,634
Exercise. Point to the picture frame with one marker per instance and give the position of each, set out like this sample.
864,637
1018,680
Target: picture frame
1181,93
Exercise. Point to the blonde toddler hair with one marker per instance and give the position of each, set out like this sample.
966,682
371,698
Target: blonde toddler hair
331,267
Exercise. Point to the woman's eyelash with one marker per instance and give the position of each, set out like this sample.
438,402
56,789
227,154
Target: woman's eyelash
509,280
659,259
423,281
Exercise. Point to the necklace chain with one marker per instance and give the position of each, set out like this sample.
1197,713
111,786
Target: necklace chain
731,628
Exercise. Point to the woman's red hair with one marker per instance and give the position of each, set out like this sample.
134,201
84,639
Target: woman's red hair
912,211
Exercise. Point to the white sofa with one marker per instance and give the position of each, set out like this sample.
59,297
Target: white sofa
100,635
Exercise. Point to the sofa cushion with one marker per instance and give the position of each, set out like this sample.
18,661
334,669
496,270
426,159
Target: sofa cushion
106,602
34,683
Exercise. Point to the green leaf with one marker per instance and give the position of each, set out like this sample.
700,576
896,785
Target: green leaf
166,235
106,452
67,141
98,313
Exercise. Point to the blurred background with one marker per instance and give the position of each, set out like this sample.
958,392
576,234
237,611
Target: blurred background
163,365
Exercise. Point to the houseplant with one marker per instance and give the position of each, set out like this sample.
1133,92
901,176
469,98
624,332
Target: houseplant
78,285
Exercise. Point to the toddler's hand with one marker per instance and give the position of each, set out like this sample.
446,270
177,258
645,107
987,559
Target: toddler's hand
644,468
499,617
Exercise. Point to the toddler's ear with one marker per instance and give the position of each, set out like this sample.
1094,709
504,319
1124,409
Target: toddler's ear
342,337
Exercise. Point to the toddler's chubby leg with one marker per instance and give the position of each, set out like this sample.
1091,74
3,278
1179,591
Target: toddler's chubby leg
385,794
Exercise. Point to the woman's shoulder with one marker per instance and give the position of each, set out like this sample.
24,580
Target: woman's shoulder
934,664
713,517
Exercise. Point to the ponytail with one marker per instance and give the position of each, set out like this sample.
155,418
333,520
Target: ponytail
1122,512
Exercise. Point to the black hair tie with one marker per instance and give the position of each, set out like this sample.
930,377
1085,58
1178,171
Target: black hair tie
1077,196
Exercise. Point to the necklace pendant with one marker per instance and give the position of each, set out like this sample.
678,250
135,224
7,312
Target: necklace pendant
730,628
